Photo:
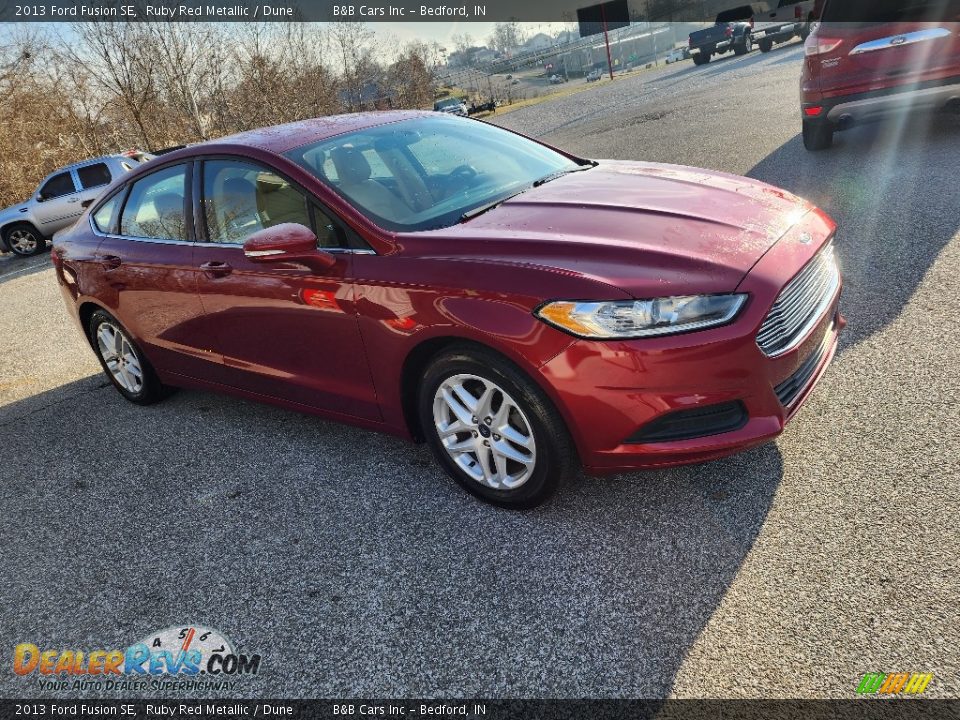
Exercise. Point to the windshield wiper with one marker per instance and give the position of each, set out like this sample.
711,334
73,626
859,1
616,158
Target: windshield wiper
481,209
560,173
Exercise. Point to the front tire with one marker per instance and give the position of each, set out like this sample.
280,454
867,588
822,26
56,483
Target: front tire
24,240
765,45
817,136
123,362
493,430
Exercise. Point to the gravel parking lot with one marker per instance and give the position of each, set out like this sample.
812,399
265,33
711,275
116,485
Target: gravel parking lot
356,568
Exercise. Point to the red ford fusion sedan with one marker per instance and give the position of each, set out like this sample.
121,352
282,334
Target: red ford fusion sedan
520,309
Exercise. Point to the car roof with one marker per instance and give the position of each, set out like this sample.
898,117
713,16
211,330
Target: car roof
281,138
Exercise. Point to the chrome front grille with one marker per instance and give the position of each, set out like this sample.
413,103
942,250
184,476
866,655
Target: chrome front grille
800,304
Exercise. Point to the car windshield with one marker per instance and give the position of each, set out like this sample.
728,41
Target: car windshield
429,173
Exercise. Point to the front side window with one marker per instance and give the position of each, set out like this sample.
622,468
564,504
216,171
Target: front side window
57,186
155,206
240,198
94,175
425,174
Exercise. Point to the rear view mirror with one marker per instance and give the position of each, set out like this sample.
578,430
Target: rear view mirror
287,242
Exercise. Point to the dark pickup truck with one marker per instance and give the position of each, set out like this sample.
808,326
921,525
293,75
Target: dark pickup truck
733,30
739,28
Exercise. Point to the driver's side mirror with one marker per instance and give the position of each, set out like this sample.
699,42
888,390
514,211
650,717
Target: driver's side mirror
287,242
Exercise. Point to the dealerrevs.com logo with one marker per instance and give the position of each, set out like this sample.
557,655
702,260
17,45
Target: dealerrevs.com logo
189,657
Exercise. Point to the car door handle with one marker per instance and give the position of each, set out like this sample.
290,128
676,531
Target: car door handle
109,262
73,200
216,268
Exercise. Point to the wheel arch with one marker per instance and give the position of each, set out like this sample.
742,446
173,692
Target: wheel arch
422,354
4,227
85,311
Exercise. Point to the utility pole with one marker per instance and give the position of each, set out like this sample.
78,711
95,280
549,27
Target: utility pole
606,40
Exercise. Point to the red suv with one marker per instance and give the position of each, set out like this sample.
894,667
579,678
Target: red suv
873,58
436,277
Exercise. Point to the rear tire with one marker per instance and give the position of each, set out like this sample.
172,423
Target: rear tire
512,448
765,45
701,58
24,240
817,135
745,46
123,362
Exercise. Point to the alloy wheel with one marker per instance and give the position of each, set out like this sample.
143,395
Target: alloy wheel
120,357
484,431
22,242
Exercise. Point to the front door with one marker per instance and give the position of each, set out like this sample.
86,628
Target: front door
283,330
57,203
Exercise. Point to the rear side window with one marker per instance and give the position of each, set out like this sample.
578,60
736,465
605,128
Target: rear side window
94,175
241,198
154,208
103,218
57,186
882,11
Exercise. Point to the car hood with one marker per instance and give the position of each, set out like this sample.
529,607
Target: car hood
648,229
14,212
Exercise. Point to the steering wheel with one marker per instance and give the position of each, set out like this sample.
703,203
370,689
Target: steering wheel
461,178
463,172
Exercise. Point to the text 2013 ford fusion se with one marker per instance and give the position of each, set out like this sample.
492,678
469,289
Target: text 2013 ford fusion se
520,309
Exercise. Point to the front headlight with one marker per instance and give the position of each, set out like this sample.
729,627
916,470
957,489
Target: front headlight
625,319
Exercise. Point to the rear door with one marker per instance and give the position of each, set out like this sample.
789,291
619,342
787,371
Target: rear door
886,44
57,203
148,276
284,331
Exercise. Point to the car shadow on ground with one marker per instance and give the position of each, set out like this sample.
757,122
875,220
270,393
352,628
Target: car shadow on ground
12,266
876,182
353,554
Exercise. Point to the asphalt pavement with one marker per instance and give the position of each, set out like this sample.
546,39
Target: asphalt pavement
354,567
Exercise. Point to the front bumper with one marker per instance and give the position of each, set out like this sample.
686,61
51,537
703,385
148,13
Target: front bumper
609,391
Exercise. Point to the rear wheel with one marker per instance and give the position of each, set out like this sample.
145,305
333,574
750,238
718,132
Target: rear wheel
24,240
701,58
123,362
805,30
817,135
765,45
493,430
744,46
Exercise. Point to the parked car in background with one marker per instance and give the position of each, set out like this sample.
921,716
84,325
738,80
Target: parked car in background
557,79
732,30
869,59
451,106
60,200
676,55
788,20
489,106
594,75
451,281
